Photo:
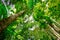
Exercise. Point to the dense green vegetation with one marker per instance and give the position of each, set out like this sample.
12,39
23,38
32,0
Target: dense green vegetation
29,19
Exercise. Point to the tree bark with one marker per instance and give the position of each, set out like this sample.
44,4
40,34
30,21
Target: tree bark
5,22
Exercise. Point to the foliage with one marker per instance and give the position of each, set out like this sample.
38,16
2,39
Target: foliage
3,12
32,25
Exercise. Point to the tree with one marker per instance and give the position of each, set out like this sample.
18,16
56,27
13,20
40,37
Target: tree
39,21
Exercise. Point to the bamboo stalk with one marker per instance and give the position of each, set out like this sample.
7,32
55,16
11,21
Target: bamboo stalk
54,32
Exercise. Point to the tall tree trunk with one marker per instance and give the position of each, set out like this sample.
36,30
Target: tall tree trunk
5,22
